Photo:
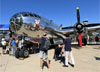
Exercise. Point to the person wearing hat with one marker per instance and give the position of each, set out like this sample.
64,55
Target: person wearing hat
44,53
3,42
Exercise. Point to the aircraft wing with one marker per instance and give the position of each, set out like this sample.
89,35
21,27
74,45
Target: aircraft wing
70,27
92,25
69,32
94,29
90,28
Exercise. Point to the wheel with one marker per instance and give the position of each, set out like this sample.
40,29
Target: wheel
21,53
17,53
24,53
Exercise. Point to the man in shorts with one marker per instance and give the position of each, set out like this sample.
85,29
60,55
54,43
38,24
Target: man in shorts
43,54
3,42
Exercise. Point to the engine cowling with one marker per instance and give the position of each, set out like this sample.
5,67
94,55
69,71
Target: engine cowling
79,28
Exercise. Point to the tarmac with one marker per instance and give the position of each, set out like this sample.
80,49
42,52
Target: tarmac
87,59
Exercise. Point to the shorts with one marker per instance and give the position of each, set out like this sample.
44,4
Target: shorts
43,54
3,47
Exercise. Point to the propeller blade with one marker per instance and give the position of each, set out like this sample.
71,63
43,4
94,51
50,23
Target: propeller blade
68,27
92,25
78,16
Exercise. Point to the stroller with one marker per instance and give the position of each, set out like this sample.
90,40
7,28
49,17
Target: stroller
58,54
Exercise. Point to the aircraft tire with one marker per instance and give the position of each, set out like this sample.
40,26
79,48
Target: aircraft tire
17,53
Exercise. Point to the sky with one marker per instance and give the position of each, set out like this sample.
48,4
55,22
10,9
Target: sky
60,11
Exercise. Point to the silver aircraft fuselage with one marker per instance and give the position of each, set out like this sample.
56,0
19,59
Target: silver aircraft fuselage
34,25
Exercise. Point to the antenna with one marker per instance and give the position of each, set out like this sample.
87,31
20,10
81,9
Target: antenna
71,23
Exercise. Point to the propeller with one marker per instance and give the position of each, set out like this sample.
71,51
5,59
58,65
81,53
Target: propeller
79,26
78,16
78,22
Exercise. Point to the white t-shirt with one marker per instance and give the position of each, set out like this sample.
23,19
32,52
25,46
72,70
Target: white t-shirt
3,43
20,44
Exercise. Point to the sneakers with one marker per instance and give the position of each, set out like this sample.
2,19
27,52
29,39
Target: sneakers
65,65
72,65
48,70
41,70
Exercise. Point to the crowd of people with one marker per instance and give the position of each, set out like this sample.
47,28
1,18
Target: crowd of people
43,50
66,47
91,39
11,46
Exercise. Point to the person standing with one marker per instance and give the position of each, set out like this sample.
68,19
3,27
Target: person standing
68,52
20,43
3,42
43,53
14,46
10,51
85,41
97,39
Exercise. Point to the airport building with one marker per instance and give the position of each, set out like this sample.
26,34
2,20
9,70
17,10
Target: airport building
4,31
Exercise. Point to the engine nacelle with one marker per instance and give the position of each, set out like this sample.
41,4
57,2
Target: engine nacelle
79,28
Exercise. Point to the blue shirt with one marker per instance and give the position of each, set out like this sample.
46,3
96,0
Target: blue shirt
14,43
67,43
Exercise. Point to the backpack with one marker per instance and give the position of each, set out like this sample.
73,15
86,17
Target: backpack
46,45
7,52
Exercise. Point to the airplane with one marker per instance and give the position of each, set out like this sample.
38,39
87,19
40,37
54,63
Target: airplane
30,26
